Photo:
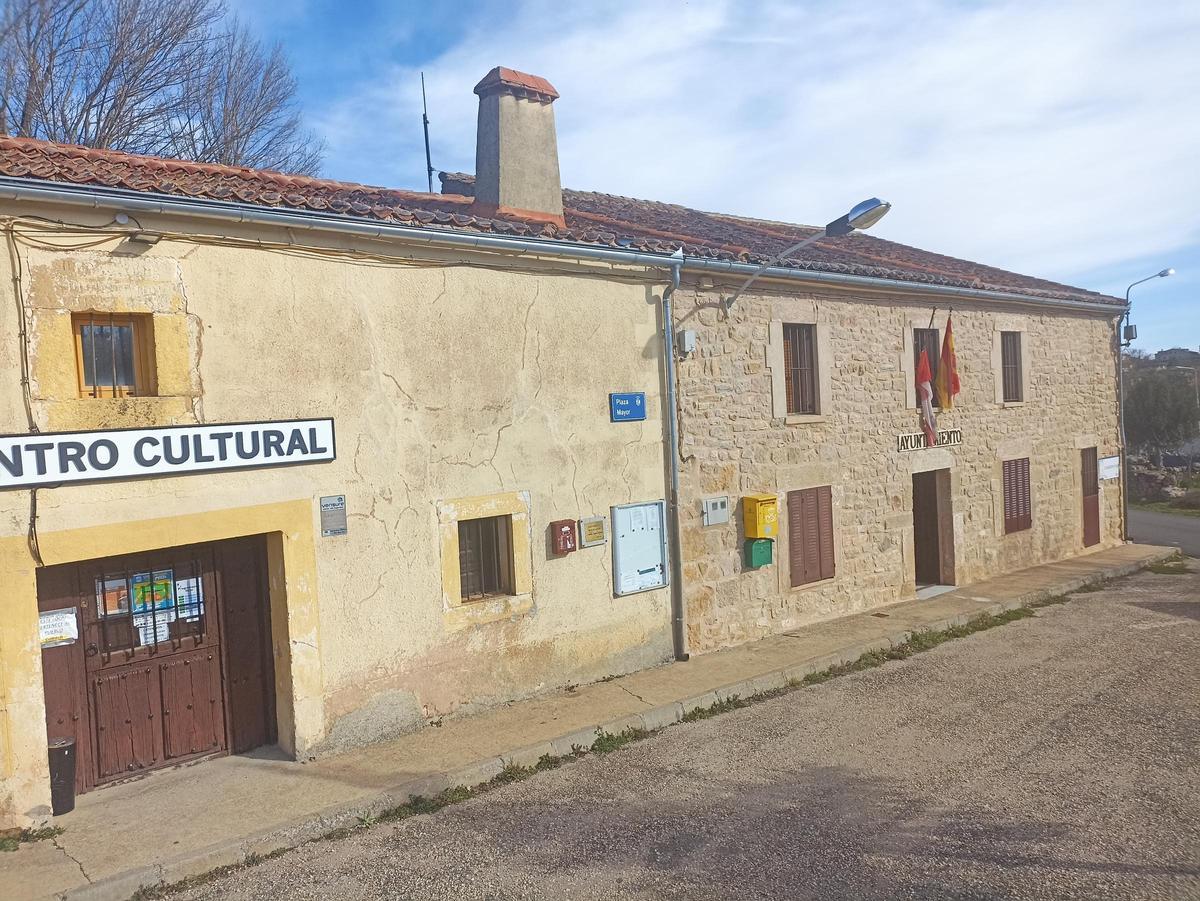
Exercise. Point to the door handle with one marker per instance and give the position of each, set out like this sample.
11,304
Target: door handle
92,650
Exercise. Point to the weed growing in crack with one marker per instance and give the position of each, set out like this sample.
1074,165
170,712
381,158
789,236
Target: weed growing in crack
26,836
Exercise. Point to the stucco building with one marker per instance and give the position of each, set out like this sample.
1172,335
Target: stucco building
303,463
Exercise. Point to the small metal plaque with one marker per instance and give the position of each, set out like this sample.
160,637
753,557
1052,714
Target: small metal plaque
333,515
593,531
1109,468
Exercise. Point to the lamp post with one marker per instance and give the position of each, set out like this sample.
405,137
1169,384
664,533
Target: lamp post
861,217
1125,336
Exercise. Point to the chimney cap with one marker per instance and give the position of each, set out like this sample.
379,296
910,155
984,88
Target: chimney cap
510,81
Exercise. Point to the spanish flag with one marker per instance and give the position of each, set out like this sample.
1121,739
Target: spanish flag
947,373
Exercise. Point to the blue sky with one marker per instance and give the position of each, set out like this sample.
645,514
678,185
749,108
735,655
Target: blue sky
1058,139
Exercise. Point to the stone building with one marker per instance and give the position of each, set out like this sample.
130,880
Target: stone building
303,463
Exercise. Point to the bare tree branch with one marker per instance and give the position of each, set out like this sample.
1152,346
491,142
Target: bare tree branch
163,77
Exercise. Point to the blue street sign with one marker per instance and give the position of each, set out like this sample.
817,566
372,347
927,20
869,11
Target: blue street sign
627,407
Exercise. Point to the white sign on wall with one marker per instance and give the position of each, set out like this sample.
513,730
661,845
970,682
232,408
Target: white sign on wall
639,541
1109,468
58,627
57,458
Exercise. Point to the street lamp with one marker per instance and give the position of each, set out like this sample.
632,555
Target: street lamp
862,216
1126,334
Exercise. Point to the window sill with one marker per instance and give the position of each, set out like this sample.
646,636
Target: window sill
488,610
1012,403
803,418
810,585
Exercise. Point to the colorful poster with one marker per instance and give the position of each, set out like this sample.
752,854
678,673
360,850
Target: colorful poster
155,591
113,595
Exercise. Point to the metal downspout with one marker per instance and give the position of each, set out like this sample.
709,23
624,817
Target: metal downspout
1121,419
678,621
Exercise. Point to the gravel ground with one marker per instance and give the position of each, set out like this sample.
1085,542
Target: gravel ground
1056,757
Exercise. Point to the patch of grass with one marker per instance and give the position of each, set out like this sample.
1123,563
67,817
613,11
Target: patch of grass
703,713
1176,566
25,836
606,742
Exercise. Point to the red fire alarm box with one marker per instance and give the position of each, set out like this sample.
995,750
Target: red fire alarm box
562,536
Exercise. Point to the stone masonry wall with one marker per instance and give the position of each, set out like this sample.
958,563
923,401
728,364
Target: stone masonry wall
732,444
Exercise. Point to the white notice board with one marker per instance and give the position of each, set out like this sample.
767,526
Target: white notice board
1109,468
639,540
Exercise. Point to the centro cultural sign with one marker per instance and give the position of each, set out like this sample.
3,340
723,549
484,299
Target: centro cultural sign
55,458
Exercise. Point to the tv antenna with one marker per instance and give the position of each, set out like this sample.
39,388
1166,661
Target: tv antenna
425,124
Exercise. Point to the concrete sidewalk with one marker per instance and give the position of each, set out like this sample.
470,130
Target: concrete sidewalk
180,823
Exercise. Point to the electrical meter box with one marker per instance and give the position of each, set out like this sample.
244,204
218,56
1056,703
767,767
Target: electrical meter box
760,514
714,510
639,540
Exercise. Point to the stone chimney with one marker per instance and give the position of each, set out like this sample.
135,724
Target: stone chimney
516,151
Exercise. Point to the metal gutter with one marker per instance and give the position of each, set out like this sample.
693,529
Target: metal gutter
19,189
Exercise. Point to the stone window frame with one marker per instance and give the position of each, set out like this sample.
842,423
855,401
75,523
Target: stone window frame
458,612
1018,324
1012,449
799,477
908,365
776,365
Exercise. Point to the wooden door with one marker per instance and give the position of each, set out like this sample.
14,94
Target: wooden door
1091,497
926,534
249,662
68,711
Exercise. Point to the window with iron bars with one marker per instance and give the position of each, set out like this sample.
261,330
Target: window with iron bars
114,355
485,561
800,368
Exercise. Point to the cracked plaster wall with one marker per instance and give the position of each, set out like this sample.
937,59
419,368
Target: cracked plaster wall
444,383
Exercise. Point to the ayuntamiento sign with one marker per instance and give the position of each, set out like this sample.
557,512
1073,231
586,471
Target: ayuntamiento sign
56,458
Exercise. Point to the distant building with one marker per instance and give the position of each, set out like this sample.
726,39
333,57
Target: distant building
302,463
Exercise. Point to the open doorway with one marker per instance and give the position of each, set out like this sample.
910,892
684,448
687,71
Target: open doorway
933,532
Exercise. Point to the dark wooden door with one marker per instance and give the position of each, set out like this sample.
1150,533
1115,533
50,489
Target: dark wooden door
68,711
150,682
1091,497
926,534
249,662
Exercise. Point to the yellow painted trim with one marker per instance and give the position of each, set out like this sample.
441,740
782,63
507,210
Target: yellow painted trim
292,569
511,503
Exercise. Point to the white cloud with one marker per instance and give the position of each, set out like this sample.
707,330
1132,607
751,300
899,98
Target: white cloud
1051,138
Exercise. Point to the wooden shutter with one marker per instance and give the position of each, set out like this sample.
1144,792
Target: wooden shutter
825,528
1018,514
810,535
1010,364
927,339
800,368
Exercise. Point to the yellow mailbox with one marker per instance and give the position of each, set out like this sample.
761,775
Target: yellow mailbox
760,514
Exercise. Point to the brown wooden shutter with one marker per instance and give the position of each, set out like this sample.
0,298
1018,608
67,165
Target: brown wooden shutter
825,527
1010,365
927,339
1018,512
810,535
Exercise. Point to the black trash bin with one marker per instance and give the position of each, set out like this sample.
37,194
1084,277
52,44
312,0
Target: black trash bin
62,775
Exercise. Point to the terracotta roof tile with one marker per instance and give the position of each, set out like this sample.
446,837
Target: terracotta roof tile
590,217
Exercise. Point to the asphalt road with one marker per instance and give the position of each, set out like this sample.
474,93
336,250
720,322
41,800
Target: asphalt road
1052,758
1151,527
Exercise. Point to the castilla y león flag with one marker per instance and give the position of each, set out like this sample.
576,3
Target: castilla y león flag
947,377
925,399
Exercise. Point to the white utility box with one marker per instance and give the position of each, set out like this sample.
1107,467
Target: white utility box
639,540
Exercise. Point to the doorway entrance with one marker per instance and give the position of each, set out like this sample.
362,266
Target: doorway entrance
933,528
1091,497
172,660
